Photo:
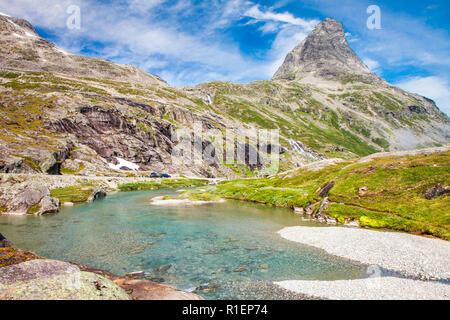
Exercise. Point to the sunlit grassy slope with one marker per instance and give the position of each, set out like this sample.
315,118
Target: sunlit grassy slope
394,198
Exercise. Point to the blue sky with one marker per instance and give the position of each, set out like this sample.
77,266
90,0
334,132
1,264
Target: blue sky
187,42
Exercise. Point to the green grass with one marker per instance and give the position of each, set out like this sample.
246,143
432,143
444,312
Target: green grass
382,143
33,209
70,171
163,184
394,199
73,194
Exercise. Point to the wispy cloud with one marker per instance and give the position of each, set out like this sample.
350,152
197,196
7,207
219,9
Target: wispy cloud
285,17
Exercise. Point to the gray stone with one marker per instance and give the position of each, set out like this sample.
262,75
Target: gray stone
44,279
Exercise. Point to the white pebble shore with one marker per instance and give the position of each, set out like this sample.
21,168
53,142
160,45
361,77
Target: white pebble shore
405,253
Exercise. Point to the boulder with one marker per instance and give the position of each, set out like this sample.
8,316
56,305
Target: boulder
27,198
149,290
5,243
48,205
436,191
362,191
326,189
43,279
97,193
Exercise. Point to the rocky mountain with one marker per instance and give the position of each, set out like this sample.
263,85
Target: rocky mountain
325,54
66,114
23,49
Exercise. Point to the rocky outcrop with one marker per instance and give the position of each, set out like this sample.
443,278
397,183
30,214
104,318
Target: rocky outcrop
28,198
435,191
148,290
25,276
326,54
44,279
98,193
326,189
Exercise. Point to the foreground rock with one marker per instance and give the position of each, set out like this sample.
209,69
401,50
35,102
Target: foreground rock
382,288
27,198
411,255
44,279
144,289
26,276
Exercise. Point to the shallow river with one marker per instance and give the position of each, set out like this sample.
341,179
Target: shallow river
203,245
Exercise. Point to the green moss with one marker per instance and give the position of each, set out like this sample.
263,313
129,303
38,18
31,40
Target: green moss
382,143
9,75
163,184
70,171
3,209
73,194
34,209
143,127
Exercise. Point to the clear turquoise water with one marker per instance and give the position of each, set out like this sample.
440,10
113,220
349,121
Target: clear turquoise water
203,244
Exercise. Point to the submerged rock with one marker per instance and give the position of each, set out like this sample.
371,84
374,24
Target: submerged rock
98,193
148,290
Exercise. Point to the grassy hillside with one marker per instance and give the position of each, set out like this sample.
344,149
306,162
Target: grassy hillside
381,193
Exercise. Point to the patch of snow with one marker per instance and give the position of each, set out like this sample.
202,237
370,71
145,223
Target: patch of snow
17,36
4,14
209,98
123,163
29,34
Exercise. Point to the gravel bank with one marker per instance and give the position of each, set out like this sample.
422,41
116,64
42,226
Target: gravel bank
382,288
411,255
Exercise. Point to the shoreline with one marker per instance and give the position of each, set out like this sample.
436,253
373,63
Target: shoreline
410,255
26,276
379,288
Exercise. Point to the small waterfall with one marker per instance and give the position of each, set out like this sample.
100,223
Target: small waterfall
299,149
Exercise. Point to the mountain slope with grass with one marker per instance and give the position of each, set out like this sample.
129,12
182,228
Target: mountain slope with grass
403,191
66,114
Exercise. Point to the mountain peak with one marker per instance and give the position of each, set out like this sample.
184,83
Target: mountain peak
324,53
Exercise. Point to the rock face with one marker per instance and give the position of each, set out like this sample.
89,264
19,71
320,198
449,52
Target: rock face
28,198
325,53
44,279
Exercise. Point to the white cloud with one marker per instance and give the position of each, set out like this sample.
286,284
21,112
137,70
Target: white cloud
435,88
286,17
373,65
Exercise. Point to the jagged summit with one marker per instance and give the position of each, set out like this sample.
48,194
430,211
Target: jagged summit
23,49
325,53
